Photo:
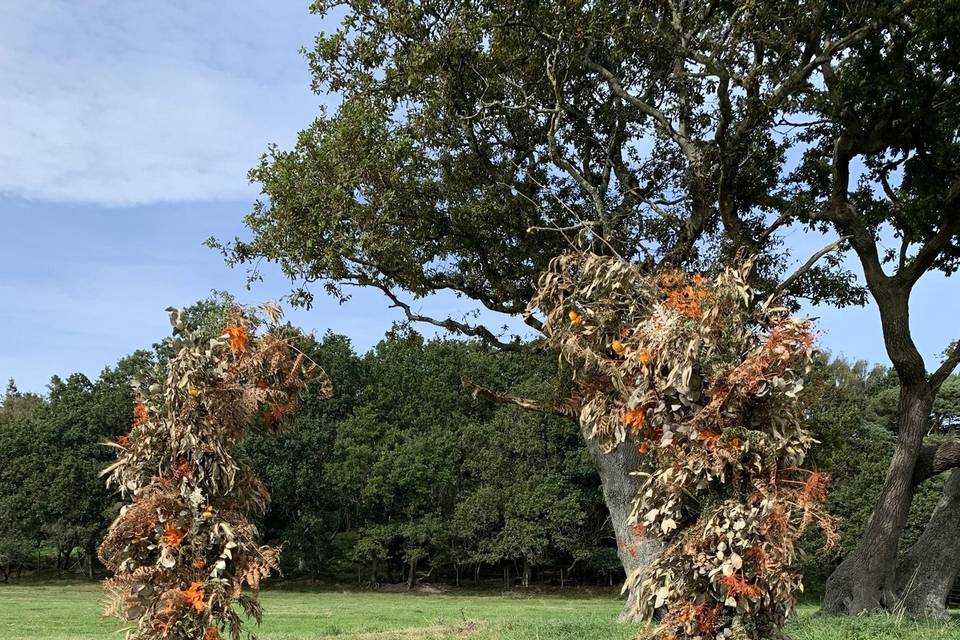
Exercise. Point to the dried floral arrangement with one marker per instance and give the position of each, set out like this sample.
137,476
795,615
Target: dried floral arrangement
707,382
183,550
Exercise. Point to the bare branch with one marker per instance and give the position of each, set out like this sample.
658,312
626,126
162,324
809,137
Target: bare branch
806,266
950,362
686,145
784,217
475,331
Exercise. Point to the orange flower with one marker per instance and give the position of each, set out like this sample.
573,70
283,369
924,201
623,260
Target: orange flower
617,347
575,318
644,447
238,338
173,536
211,633
123,440
645,358
199,563
194,597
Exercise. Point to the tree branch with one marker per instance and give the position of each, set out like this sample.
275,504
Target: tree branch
686,145
950,362
475,331
935,459
806,266
931,249
478,391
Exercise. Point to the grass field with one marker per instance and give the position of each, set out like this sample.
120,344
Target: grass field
69,611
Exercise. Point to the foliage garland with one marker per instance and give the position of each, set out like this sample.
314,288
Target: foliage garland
707,383
184,548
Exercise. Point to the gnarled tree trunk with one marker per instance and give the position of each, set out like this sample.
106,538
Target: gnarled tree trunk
927,572
864,581
619,489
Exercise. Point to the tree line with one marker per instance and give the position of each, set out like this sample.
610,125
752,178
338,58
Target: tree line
407,476
402,476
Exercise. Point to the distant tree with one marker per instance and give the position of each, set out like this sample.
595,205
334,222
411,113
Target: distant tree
21,477
434,479
397,458
51,493
307,511
524,499
853,417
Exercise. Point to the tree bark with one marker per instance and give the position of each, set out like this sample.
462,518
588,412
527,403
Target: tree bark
864,581
619,490
620,487
928,570
413,572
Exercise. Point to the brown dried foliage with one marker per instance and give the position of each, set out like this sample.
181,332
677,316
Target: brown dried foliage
183,550
708,384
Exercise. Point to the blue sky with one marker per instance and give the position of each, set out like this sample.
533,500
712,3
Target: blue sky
127,131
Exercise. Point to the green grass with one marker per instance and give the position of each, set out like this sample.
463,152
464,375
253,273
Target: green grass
69,611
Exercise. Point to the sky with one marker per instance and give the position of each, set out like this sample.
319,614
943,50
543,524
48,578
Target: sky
126,132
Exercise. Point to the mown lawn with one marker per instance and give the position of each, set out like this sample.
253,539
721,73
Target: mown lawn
69,611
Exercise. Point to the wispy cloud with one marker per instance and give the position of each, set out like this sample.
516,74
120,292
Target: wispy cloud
121,103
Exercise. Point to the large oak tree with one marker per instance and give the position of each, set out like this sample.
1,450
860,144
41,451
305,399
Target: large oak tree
474,141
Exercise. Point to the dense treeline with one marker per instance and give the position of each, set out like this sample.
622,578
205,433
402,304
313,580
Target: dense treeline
404,476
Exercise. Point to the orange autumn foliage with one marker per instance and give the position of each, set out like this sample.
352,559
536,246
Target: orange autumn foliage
239,338
184,470
687,300
635,419
720,420
277,412
190,416
815,489
140,414
709,438
195,597
737,586
172,535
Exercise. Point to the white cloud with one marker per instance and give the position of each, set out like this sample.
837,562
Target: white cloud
123,103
